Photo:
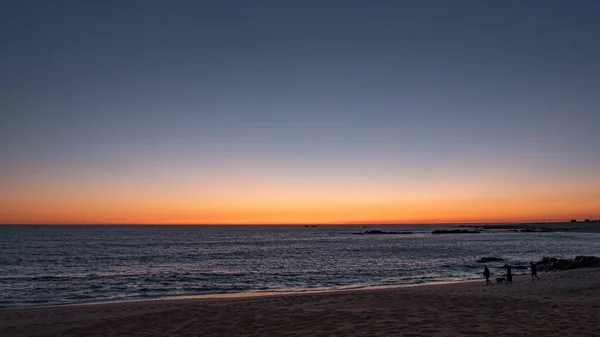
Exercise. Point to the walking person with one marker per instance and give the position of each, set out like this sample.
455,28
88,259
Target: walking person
486,273
508,275
534,271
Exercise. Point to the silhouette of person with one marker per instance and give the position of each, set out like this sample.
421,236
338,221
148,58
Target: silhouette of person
508,275
486,273
534,271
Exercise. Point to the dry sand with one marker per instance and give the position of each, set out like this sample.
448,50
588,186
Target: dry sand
561,304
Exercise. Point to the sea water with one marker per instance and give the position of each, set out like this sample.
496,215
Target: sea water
50,265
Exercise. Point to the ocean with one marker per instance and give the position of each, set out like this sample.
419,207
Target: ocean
53,265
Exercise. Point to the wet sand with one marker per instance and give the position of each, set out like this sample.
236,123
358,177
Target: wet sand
561,304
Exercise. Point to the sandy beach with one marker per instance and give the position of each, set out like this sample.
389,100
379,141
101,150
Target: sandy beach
561,304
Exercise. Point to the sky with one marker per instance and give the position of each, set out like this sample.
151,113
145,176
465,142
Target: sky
277,112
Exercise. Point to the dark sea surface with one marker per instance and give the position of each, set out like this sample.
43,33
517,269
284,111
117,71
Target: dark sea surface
49,265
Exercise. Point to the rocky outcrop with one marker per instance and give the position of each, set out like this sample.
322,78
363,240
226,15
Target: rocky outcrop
537,230
489,259
587,261
377,231
505,266
454,231
555,264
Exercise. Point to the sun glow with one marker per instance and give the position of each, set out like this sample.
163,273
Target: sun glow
287,199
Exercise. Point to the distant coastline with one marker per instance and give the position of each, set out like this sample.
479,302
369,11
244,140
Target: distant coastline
563,226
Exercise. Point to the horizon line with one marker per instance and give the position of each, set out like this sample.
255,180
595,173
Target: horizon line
289,224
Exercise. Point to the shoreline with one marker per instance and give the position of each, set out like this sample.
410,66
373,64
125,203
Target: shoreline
272,294
561,303
252,294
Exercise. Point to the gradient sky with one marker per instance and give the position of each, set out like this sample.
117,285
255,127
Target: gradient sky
299,111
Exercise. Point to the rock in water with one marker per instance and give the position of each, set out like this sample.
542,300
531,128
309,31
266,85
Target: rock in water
587,261
489,259
513,267
454,231
554,264
377,231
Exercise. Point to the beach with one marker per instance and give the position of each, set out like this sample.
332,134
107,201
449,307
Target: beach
560,304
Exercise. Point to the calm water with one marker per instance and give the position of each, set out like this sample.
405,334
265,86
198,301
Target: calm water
47,265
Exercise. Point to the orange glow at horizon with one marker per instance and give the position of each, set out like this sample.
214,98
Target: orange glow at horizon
491,209
267,198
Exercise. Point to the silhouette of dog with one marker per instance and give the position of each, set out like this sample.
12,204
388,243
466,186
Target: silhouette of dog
500,279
